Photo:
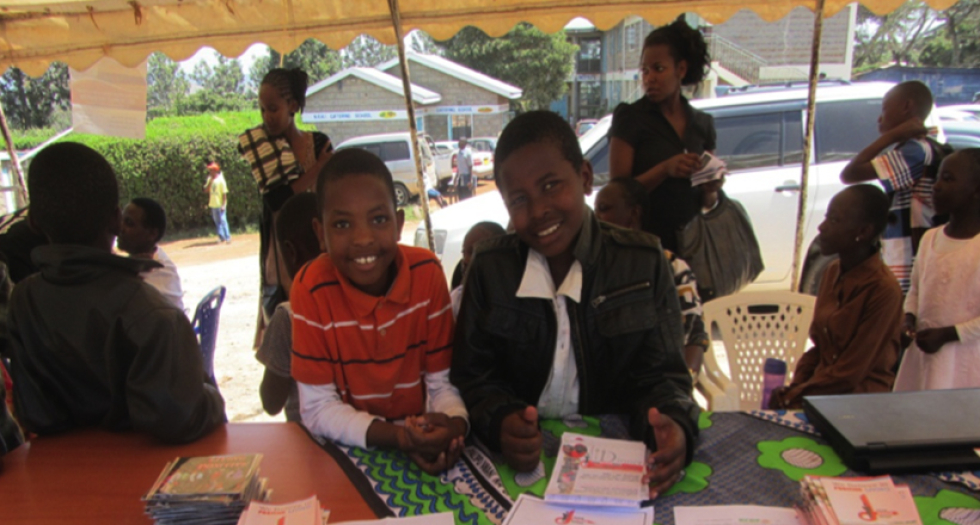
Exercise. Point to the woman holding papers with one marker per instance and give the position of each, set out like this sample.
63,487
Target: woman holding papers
659,139
858,316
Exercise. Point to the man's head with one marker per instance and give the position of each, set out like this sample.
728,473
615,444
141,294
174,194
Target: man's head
462,143
911,99
543,179
358,221
74,196
143,224
297,239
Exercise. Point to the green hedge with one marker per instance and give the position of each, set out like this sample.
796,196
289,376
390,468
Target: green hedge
28,139
169,166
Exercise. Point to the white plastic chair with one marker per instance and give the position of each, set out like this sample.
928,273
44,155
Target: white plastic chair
753,326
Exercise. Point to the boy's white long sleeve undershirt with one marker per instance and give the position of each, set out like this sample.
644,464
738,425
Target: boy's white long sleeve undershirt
326,414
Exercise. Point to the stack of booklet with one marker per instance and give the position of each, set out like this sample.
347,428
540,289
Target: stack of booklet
207,489
595,480
303,512
854,501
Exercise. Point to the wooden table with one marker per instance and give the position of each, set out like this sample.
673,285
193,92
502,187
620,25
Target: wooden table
94,476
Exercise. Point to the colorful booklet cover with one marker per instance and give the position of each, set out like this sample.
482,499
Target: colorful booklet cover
529,510
193,477
598,471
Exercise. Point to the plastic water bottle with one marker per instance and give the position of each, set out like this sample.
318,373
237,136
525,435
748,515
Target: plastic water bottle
774,375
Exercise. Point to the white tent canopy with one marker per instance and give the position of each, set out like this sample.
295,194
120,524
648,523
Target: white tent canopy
33,33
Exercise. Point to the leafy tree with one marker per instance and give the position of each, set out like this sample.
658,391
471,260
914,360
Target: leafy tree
34,102
312,56
957,42
221,88
365,51
537,62
167,86
898,37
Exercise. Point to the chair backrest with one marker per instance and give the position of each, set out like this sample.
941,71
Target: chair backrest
758,325
205,325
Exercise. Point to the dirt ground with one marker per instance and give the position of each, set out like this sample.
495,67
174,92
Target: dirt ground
203,265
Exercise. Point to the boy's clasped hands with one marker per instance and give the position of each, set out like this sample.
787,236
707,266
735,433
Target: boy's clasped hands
521,441
433,441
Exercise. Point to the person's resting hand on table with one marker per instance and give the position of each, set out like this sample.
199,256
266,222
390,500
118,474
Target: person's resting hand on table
664,466
521,440
433,441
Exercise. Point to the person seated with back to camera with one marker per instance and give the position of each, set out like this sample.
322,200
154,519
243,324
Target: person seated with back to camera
143,224
91,343
299,245
373,325
857,319
569,315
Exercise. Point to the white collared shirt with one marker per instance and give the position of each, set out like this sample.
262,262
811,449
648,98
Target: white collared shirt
560,395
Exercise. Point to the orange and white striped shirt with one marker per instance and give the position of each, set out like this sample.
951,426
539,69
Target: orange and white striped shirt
376,351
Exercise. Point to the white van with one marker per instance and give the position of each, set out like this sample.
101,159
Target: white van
394,149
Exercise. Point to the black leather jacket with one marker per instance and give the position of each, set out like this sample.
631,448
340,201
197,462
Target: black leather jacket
627,335
92,344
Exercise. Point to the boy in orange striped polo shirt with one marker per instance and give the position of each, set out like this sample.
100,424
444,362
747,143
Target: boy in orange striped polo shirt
373,325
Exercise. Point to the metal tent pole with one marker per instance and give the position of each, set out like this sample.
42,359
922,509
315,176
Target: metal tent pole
410,105
811,107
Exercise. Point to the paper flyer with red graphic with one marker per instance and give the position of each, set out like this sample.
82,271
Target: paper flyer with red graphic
529,510
871,501
598,471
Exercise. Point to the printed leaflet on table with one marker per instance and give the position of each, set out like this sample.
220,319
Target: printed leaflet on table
598,471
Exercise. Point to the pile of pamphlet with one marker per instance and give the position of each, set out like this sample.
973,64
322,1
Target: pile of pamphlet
712,168
206,489
595,480
303,512
857,501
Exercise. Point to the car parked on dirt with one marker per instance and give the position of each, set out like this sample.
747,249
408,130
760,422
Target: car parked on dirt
395,150
760,137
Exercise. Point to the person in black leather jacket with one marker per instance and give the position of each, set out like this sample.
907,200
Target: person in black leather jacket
91,343
617,349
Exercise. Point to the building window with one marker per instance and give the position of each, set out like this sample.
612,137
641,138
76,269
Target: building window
590,100
462,126
589,55
632,36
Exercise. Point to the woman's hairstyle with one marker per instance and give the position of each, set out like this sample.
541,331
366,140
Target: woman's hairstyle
290,83
874,205
685,43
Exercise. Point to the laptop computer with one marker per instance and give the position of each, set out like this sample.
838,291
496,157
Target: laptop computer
902,432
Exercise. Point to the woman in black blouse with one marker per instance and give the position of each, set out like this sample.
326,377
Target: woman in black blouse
659,138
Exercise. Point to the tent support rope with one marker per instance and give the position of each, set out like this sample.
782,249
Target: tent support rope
413,128
811,107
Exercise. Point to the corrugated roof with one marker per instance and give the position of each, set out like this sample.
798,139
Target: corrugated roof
444,65
420,95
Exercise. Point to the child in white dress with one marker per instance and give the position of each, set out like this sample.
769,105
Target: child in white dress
943,304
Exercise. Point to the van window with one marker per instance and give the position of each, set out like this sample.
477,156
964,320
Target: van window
749,141
373,147
793,138
392,151
844,128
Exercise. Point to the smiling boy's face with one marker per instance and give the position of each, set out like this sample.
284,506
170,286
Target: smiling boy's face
360,229
545,197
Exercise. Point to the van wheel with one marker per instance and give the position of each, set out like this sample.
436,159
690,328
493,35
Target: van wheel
813,272
401,195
